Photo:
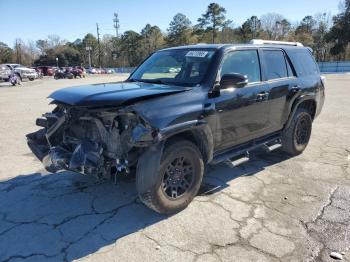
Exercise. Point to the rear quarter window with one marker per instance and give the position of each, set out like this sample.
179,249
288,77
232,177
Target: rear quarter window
275,64
303,62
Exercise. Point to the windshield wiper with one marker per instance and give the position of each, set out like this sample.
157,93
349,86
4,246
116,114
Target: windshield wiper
159,81
152,81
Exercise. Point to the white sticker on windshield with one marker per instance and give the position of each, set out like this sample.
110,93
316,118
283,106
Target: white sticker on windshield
197,53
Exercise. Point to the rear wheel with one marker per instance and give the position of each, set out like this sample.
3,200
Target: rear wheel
296,137
179,178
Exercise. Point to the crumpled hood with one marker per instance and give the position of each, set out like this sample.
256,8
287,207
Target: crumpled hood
112,94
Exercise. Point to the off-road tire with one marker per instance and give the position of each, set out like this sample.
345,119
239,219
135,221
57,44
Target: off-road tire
156,198
301,122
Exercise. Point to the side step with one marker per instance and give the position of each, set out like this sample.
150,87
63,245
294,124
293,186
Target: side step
270,148
240,154
237,161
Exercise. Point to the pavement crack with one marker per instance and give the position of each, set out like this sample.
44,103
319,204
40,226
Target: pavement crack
112,214
28,256
169,245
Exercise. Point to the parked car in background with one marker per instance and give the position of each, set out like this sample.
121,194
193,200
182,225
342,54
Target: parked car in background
83,71
47,70
5,72
77,72
39,72
63,73
92,70
23,71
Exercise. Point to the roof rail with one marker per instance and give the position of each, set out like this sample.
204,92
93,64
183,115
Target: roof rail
264,42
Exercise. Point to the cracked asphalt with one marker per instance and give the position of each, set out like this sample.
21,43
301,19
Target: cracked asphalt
273,208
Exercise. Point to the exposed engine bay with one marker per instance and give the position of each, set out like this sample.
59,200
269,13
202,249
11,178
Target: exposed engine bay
90,141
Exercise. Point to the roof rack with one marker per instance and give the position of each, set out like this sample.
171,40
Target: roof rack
264,42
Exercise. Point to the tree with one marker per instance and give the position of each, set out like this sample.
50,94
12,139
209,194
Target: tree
55,41
339,34
321,47
130,46
179,31
152,39
250,29
213,19
307,25
89,41
42,45
283,28
6,53
270,23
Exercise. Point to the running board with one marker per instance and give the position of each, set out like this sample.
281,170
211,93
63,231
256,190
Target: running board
238,161
272,147
240,153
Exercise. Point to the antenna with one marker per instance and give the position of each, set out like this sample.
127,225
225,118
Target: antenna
116,24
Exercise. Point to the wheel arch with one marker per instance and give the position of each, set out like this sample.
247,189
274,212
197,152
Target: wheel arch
308,102
197,132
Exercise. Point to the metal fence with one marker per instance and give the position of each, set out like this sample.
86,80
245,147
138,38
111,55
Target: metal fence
334,67
124,69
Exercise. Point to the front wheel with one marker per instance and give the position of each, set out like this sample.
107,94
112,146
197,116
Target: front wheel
296,137
178,180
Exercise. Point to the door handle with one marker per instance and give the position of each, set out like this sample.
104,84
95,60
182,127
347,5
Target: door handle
295,89
262,96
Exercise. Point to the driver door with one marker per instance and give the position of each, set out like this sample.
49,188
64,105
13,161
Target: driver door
242,112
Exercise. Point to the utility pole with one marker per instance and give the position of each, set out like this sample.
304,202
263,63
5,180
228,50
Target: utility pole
116,24
18,52
88,48
99,46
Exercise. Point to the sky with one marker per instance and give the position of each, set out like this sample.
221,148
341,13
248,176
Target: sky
72,19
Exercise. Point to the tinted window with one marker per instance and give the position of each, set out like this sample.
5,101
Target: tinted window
175,66
245,62
304,62
275,64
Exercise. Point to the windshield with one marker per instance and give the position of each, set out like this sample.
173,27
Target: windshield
177,66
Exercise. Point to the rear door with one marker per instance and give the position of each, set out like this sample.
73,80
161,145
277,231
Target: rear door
282,82
242,112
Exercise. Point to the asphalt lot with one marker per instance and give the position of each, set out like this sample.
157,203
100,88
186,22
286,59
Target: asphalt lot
273,208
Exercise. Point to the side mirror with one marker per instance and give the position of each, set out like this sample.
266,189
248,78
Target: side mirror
233,80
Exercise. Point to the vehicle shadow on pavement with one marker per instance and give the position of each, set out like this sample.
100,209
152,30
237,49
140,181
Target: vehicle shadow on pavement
217,177
67,216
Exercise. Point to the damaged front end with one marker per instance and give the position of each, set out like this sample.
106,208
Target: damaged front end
97,142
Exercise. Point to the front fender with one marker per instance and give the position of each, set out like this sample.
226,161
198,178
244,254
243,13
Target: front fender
198,129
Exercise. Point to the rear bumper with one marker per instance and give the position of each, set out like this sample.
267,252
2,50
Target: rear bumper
320,100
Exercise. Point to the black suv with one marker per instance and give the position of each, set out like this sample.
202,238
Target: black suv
181,109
